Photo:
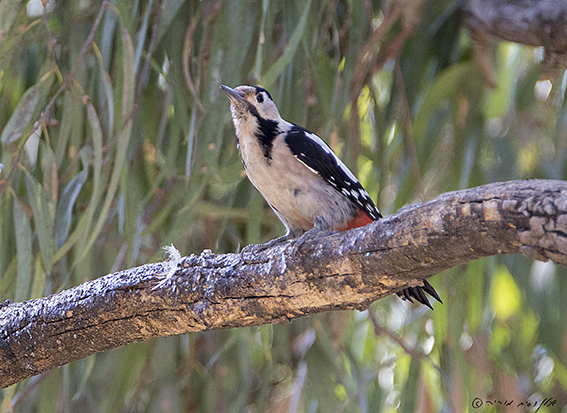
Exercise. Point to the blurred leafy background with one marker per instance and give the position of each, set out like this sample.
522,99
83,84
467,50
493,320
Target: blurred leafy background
116,140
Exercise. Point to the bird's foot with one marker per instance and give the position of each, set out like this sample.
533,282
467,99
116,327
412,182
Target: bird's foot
312,234
258,248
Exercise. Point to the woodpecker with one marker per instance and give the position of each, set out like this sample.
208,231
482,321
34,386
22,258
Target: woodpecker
304,182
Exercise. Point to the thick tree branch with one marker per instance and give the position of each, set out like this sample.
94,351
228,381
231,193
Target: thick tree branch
341,271
530,22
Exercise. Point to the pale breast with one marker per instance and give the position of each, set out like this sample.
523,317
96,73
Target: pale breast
297,193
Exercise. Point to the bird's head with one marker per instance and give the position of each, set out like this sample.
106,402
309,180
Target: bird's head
246,101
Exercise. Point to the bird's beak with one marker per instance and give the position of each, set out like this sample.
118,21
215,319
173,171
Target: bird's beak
232,94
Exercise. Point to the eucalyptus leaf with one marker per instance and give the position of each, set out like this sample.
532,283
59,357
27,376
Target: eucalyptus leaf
25,110
8,12
42,218
64,213
23,252
269,77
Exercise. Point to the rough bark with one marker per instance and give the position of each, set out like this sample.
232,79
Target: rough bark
340,271
529,22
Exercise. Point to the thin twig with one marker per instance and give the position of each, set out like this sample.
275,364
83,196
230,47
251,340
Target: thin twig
187,47
366,66
50,40
151,47
408,130
66,82
364,62
69,77
380,330
27,391
413,352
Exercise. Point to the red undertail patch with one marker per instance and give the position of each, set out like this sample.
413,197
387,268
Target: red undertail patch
360,220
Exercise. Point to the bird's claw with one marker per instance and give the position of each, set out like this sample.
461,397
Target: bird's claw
253,249
258,248
308,236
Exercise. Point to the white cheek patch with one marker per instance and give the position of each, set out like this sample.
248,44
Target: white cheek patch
271,110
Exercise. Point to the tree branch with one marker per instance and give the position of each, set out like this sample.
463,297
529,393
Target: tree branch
342,271
534,23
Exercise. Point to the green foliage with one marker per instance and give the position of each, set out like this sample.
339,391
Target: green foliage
117,144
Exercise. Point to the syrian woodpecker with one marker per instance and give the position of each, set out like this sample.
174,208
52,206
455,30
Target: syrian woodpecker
299,175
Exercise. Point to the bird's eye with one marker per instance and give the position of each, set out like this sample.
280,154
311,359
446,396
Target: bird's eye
260,98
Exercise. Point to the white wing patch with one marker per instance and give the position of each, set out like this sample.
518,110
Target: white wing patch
320,159
308,167
321,143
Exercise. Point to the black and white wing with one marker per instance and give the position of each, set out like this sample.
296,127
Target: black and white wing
314,153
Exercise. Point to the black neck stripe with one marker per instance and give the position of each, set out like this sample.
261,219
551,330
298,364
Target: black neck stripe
266,133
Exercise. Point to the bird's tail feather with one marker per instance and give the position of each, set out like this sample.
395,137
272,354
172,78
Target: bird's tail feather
418,293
